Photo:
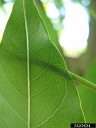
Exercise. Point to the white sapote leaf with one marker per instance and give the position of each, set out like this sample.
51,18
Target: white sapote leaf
36,90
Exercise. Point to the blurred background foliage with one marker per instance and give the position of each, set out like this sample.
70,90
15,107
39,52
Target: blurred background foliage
88,96
82,60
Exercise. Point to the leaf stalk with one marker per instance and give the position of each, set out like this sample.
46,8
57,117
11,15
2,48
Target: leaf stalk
83,81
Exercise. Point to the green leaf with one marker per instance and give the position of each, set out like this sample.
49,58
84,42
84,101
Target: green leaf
88,97
36,90
51,31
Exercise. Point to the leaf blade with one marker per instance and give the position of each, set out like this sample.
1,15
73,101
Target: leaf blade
52,90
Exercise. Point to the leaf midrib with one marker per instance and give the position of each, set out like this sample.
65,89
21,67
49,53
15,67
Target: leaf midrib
28,70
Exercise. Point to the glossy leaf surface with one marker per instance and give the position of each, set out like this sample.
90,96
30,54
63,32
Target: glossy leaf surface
36,90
